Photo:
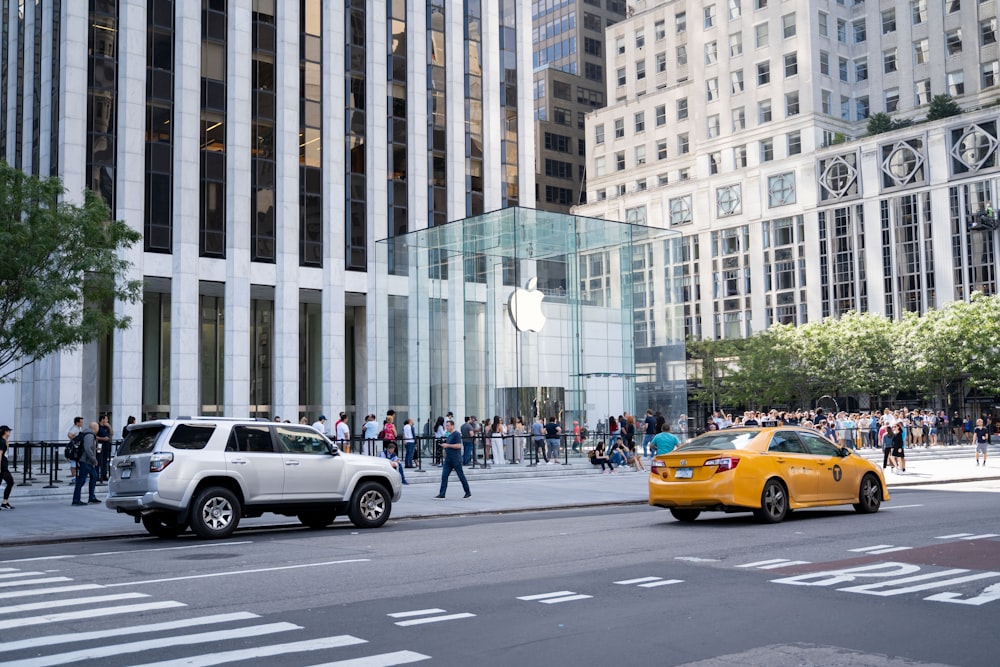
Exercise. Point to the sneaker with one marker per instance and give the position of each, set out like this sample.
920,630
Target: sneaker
94,501
78,503
6,506
439,496
468,495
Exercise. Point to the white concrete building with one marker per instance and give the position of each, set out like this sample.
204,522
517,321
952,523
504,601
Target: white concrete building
262,151
743,125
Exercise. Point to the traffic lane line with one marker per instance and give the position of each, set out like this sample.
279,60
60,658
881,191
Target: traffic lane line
970,555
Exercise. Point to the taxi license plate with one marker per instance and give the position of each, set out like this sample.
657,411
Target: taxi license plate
126,473
684,473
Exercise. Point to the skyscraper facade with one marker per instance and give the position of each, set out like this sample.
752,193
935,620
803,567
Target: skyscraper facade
262,148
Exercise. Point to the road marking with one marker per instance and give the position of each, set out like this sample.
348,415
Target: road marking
984,536
380,660
105,651
8,569
126,551
787,563
879,549
953,537
989,594
71,637
16,574
696,559
872,588
89,613
664,582
69,602
629,582
554,598
416,612
228,574
49,591
29,582
900,507
209,659
433,619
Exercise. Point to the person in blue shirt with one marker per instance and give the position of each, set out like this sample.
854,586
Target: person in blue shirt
390,453
664,442
452,460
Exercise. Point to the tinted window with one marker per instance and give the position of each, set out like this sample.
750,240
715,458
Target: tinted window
721,440
819,446
302,441
786,442
191,436
250,439
140,440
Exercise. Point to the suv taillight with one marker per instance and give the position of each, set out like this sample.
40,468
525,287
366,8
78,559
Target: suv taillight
159,461
724,463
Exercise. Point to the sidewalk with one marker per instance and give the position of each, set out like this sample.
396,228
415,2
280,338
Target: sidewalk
46,516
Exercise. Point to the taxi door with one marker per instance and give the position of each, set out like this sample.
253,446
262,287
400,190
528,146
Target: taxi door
793,464
834,479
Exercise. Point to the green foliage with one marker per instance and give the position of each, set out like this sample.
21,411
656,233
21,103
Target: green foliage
860,353
942,106
878,123
63,270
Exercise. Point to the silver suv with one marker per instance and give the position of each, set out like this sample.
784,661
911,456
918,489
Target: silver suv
208,473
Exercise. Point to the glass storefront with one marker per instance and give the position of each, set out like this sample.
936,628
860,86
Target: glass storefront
527,313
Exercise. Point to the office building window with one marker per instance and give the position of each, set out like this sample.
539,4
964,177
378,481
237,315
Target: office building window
791,64
891,100
889,61
661,115
736,79
794,140
740,156
792,103
766,150
788,25
619,128
888,21
739,119
953,41
764,111
956,83
763,73
682,108
760,35
735,44
599,133
683,144
640,121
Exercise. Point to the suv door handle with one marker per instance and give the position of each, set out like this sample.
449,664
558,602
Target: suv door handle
291,463
238,461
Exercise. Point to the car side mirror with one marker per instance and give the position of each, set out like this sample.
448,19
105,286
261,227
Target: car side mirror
845,452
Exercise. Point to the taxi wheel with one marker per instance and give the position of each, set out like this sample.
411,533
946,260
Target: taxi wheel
870,495
773,502
685,516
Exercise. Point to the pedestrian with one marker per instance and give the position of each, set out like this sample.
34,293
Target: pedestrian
649,431
498,432
453,450
389,430
5,476
342,432
612,431
885,438
320,424
599,458
103,448
577,441
390,453
538,438
369,431
87,466
898,448
131,420
552,431
981,435
665,441
520,433
467,431
409,442
74,431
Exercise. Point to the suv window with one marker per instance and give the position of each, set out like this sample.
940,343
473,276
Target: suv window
819,446
785,442
191,436
301,441
250,439
140,440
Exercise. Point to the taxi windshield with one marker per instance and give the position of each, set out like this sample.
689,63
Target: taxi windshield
720,440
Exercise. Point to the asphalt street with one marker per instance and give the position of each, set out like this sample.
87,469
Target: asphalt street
918,583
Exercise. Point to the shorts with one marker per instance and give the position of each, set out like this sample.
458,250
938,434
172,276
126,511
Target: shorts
981,447
898,452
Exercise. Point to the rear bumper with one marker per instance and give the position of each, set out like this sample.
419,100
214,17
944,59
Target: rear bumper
717,493
139,505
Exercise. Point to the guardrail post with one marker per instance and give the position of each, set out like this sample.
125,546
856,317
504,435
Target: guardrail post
26,466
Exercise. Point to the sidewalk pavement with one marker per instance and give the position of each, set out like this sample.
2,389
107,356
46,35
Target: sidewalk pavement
46,516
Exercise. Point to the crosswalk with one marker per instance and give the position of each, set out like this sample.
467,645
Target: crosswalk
30,599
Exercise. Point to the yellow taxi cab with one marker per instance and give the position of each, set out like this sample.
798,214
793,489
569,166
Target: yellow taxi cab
767,471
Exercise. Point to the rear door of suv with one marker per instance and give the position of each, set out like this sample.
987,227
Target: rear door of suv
252,458
311,471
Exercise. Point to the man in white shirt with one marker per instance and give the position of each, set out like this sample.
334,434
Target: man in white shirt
343,433
320,424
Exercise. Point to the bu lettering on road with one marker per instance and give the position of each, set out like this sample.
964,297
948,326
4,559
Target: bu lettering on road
899,579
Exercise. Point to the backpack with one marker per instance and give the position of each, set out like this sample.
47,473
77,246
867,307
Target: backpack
381,435
74,450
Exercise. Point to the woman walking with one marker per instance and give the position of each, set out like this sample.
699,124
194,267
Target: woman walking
5,475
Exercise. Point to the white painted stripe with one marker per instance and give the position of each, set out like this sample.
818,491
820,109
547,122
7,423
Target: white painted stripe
89,613
787,563
984,536
36,558
416,612
952,537
127,551
107,650
209,659
380,660
900,507
122,630
22,573
665,582
764,562
235,572
696,559
568,598
8,569
871,589
69,602
529,598
49,591
30,582
629,582
890,550
867,549
433,619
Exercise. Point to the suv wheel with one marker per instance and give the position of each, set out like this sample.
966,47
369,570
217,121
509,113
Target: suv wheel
163,524
215,513
317,519
370,505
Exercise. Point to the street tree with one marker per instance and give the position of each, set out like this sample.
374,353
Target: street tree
64,269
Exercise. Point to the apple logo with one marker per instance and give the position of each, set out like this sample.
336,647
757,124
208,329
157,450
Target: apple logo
526,308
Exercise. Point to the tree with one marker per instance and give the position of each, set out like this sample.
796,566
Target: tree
942,106
878,123
63,268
